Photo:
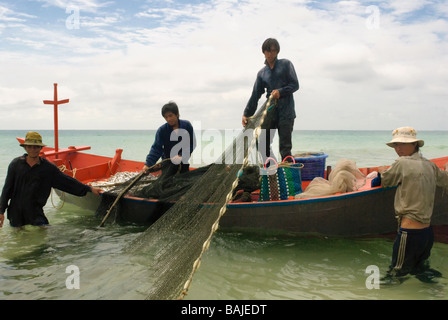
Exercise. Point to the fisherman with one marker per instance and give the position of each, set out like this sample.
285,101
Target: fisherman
28,185
174,140
278,77
416,179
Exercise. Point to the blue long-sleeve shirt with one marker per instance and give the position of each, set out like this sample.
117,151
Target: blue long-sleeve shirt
167,139
282,78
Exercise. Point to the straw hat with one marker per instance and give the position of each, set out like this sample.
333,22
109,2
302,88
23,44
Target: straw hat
33,139
405,135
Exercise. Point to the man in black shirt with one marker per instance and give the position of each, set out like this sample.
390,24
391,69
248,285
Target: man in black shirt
28,185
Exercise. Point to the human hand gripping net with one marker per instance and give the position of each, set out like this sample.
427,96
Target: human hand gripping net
173,246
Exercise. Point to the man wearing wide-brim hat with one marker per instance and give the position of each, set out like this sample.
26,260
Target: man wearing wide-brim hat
33,138
28,185
416,179
405,135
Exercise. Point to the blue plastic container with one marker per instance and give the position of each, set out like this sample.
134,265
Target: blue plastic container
313,164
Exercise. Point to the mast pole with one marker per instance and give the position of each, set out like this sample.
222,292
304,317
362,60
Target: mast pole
55,104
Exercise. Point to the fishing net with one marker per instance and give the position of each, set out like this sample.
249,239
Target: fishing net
345,177
166,185
175,243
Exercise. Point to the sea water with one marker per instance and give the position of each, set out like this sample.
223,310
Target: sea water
74,259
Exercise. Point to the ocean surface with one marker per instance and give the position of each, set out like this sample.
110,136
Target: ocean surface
39,263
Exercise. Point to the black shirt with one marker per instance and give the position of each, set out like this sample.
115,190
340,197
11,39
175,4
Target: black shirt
28,188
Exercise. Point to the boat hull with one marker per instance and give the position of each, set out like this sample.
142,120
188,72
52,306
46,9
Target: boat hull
369,212
352,214
355,214
359,213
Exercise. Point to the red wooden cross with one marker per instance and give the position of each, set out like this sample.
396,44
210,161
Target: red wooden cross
55,102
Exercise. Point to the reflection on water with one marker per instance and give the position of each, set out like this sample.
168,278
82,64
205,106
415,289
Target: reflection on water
33,265
33,261
239,267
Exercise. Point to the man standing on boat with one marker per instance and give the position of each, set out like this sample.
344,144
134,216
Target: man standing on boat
174,140
28,185
278,78
416,179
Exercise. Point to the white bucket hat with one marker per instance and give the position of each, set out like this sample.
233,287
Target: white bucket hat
405,135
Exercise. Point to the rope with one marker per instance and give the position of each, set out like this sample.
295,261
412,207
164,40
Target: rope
62,168
62,199
223,209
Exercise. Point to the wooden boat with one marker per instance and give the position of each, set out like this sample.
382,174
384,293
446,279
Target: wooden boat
368,211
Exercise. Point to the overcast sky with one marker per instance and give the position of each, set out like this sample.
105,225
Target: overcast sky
361,64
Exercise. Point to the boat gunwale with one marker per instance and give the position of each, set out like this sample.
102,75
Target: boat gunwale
333,197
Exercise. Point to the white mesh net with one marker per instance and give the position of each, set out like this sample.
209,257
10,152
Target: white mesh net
345,177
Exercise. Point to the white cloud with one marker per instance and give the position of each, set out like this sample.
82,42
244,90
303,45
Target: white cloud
10,17
84,5
121,66
400,7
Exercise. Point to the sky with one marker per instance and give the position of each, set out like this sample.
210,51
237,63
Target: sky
372,65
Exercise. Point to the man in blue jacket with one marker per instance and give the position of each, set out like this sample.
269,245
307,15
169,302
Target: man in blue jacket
174,140
279,79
